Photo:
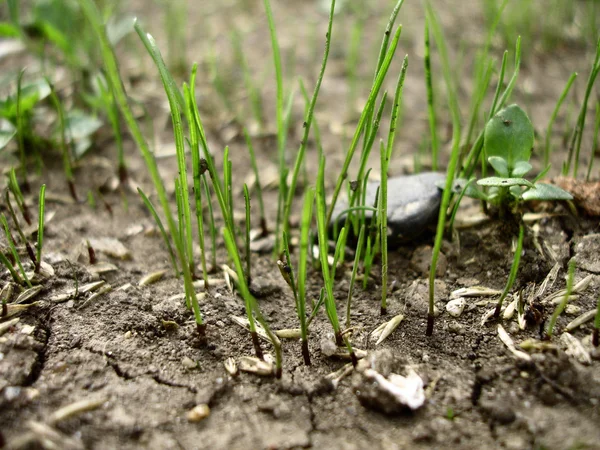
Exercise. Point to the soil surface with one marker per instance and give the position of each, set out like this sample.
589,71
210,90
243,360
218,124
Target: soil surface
132,355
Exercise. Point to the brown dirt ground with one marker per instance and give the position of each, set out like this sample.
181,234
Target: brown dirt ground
117,348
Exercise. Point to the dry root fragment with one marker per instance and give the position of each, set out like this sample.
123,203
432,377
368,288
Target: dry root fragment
74,409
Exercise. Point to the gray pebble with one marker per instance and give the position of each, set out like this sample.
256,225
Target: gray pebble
413,203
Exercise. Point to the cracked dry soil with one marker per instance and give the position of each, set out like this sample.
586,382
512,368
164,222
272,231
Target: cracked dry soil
123,349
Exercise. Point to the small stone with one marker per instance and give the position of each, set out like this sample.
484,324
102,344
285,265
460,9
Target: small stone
587,253
456,328
189,363
413,204
456,307
499,411
198,413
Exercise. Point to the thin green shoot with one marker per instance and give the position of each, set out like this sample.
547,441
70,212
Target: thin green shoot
257,185
212,226
317,130
13,186
253,92
252,304
357,255
363,119
40,234
13,249
395,110
563,303
247,240
13,216
161,227
431,102
372,242
307,123
198,169
330,306
116,85
383,232
15,275
575,145
596,332
307,214
513,271
353,57
67,163
340,251
553,117
21,133
454,156
457,204
595,141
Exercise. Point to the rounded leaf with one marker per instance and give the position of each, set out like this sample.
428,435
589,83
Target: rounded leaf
509,135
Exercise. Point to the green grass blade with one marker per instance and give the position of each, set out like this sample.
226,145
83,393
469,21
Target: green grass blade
563,303
359,246
513,271
13,249
383,232
257,184
561,99
430,102
40,236
307,214
247,240
363,118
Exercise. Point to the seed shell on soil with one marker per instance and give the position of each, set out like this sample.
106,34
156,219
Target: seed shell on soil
574,348
198,413
507,340
474,291
578,321
382,332
256,366
152,278
5,326
28,294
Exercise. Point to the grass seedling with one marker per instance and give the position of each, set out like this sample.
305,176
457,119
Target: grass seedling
13,186
575,144
253,92
13,250
198,170
21,132
563,303
454,156
595,141
553,117
353,57
163,232
247,239
330,306
13,216
211,223
307,214
357,255
257,185
430,102
40,234
513,271
307,124
251,304
383,233
66,152
382,72
596,332
4,260
372,242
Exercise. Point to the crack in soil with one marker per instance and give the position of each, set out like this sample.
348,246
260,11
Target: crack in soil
42,337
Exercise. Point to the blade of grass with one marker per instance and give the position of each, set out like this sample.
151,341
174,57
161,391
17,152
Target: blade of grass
357,255
257,185
430,102
561,99
383,228
21,133
13,216
247,240
563,303
513,271
13,249
13,186
163,232
455,153
40,236
307,214
361,122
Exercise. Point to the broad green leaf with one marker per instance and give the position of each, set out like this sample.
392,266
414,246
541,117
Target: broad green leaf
30,95
521,168
543,191
7,132
500,165
504,182
9,30
80,125
509,135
